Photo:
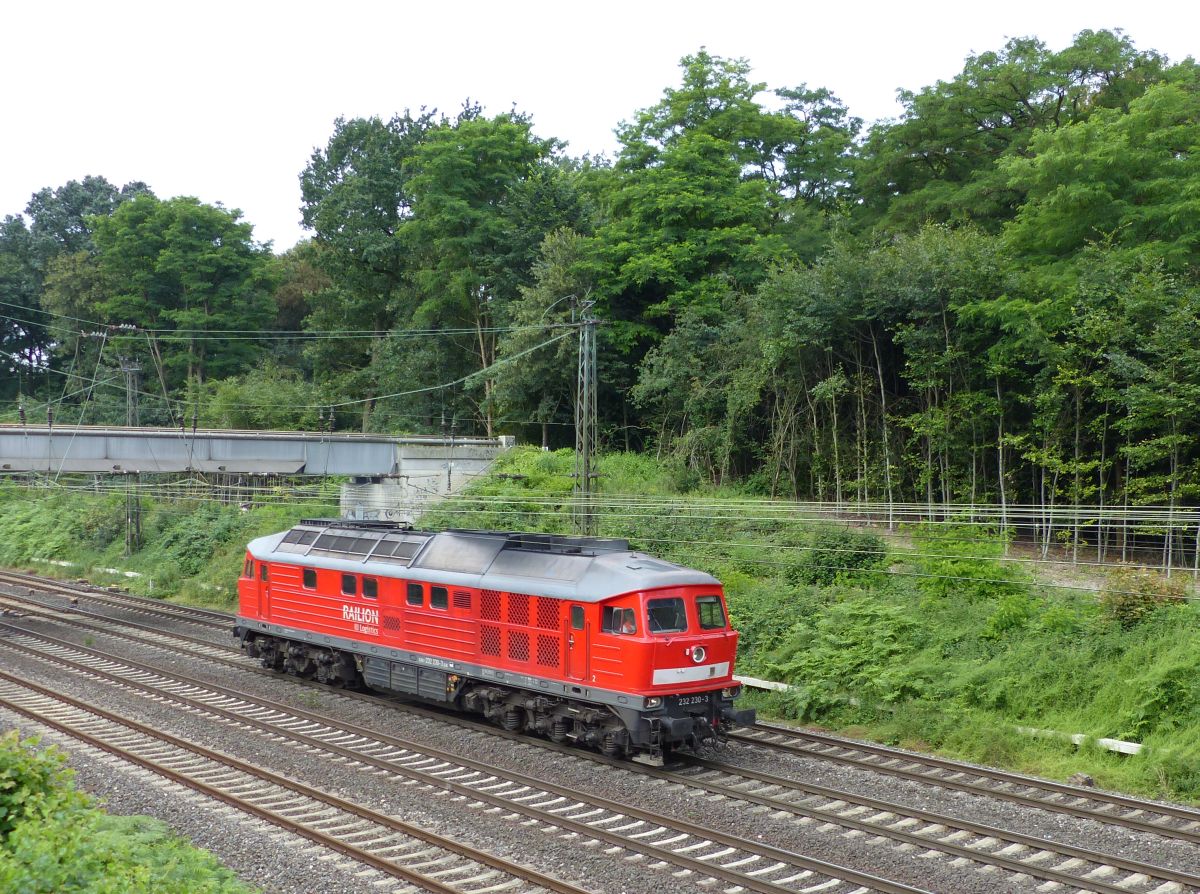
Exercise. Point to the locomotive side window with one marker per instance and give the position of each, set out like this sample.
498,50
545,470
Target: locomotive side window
370,588
262,570
310,578
438,597
416,594
618,620
712,615
248,570
576,617
349,584
666,615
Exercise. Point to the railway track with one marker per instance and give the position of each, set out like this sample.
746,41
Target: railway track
692,848
1168,820
1046,861
1134,813
137,604
395,848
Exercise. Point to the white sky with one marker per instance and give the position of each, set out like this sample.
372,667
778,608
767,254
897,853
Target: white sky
227,100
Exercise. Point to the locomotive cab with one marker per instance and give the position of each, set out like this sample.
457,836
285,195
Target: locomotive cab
675,648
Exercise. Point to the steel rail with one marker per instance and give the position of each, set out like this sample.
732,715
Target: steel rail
357,853
1076,880
1114,799
191,614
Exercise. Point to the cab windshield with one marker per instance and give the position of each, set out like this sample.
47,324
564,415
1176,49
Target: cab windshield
666,615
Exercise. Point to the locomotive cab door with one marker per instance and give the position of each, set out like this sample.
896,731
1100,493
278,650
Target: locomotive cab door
264,592
577,644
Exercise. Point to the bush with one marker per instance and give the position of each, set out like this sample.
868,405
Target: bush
196,536
834,552
53,841
855,648
34,784
1130,595
963,563
1014,613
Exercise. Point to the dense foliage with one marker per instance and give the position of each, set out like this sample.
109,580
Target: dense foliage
992,298
190,547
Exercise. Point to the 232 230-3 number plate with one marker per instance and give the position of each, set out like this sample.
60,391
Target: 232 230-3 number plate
685,700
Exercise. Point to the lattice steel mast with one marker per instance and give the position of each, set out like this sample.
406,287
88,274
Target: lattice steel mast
585,422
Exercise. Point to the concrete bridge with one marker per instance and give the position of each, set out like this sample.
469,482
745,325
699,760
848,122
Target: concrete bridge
389,475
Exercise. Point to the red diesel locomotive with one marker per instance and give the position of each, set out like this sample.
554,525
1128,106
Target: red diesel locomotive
574,638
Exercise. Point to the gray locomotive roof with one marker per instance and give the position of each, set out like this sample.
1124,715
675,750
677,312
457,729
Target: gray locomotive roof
589,572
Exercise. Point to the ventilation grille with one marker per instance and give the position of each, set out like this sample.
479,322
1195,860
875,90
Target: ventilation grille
391,622
547,650
518,609
547,613
489,640
518,645
489,605
462,599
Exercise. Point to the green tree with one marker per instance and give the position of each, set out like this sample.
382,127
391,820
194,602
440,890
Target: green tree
475,228
24,335
1133,173
356,198
60,218
193,274
538,386
938,162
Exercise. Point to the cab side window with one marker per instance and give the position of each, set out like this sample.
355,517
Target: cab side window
248,570
262,570
712,614
620,621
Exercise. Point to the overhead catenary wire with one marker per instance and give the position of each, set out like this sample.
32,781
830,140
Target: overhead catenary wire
636,507
273,334
82,409
891,571
476,374
521,508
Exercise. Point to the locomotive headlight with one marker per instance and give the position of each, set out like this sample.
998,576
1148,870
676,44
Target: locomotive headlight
698,654
731,692
654,702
